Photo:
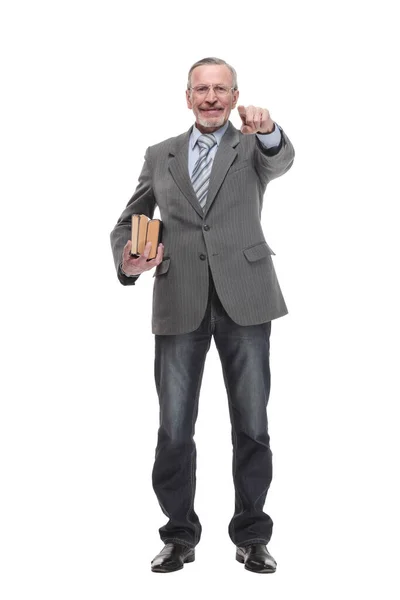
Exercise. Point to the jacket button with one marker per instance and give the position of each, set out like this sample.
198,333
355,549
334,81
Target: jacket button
206,227
203,257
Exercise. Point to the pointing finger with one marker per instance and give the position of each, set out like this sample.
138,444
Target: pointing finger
242,113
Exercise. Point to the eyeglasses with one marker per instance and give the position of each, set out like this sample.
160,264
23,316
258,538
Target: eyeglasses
219,90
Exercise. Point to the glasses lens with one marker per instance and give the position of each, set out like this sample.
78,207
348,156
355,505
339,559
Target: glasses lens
201,89
221,90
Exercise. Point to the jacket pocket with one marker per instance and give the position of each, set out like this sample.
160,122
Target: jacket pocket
237,166
162,267
257,251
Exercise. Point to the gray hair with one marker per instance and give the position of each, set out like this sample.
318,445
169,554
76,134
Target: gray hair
212,60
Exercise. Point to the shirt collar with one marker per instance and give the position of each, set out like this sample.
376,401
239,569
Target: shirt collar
217,134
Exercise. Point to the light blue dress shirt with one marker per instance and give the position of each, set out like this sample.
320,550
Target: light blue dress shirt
269,140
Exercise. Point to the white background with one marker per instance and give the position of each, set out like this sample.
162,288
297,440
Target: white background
86,88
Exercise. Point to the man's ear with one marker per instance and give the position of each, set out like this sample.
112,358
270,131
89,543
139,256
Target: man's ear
235,98
188,101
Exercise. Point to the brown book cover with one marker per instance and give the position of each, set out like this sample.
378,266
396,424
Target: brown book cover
145,230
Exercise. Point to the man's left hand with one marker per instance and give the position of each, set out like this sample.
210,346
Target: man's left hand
255,120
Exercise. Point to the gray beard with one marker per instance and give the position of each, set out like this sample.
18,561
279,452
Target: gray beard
217,123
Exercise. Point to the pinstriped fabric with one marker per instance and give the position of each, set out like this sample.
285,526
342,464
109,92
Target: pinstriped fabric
226,236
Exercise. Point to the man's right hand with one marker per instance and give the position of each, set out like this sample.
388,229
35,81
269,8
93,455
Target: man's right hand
136,266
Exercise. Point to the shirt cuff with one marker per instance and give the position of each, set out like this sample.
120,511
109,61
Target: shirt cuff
270,140
126,275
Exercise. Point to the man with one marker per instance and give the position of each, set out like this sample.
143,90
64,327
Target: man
214,277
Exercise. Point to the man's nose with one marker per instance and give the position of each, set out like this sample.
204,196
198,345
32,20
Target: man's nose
211,95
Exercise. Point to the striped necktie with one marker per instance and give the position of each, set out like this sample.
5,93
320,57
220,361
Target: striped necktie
202,169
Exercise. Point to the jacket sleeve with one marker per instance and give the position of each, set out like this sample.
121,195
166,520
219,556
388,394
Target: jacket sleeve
271,163
142,202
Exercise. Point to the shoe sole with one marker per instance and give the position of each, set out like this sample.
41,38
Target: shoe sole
160,569
240,559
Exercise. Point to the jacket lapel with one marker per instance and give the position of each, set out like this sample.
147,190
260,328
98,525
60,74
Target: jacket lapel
178,166
225,156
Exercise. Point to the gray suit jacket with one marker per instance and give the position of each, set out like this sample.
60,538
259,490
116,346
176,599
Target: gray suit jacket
227,236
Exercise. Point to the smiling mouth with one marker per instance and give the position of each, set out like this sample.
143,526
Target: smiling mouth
211,110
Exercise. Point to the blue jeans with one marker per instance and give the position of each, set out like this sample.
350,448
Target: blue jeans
178,368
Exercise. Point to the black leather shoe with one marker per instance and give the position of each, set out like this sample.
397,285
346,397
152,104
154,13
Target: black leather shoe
171,558
256,558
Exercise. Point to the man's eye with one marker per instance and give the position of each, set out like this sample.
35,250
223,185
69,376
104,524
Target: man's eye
202,88
220,88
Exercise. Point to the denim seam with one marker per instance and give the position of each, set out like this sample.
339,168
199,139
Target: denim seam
234,438
197,535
